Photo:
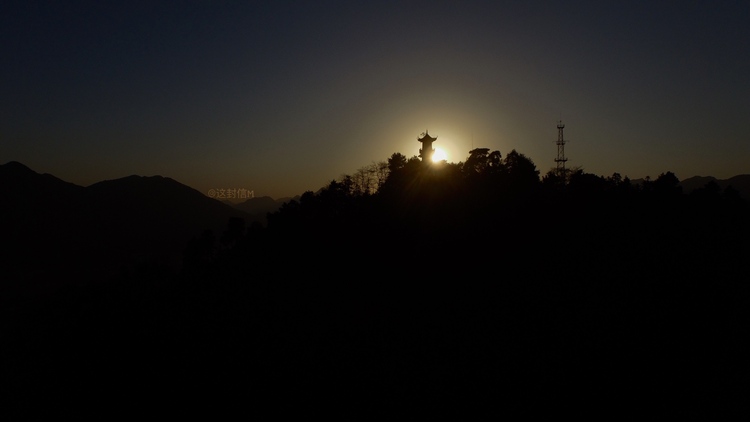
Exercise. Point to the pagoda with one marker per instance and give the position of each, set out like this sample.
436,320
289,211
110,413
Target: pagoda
425,153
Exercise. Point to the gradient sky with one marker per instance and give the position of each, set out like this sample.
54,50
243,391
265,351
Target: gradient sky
282,97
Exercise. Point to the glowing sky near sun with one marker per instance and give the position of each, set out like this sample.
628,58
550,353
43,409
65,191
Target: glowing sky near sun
282,97
439,155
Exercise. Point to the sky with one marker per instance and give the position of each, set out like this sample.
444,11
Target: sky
281,97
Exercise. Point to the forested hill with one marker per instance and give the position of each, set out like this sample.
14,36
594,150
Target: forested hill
479,283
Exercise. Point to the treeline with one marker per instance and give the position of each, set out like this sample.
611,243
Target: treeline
442,279
485,207
485,225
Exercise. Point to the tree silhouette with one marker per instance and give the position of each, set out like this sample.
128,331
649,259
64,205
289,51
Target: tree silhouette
667,184
521,171
234,232
478,162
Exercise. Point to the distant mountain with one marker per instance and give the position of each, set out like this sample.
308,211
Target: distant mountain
20,187
287,199
695,182
741,183
261,206
156,213
54,231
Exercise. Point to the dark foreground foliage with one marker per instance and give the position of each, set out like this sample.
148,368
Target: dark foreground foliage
450,288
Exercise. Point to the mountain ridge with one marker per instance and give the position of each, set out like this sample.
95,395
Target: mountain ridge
55,230
740,183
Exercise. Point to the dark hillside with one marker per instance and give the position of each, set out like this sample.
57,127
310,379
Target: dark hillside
57,233
475,284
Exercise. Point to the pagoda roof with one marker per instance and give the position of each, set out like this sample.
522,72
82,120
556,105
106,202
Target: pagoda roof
426,137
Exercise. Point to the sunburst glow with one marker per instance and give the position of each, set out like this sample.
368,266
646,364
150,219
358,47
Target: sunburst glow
439,155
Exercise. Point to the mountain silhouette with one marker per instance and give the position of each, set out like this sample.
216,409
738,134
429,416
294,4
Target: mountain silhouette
695,182
57,232
259,207
22,187
741,183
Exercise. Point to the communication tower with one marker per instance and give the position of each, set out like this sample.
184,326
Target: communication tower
560,160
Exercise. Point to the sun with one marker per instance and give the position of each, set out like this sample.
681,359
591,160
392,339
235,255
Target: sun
439,155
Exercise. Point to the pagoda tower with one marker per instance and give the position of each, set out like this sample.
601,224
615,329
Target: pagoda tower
425,153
